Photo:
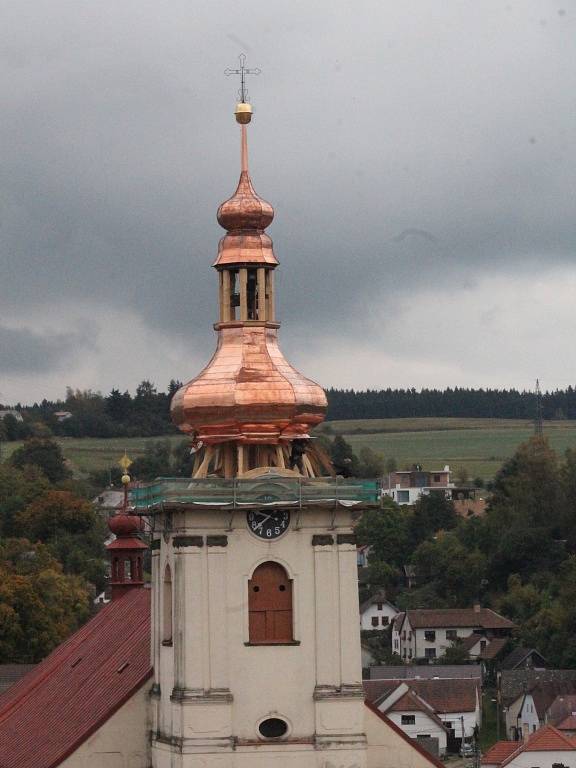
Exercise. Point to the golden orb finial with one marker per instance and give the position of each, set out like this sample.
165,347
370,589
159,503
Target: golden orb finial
125,463
243,112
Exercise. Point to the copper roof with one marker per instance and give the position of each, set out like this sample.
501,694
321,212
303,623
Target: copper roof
484,618
248,392
245,216
51,711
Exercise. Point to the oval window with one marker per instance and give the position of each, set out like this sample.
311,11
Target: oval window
273,728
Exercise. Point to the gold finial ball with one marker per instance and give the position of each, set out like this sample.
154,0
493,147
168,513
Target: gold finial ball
243,113
125,479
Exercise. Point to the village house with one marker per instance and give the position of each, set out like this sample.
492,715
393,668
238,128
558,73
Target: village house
416,717
427,633
407,486
377,612
546,748
523,658
527,712
562,714
456,702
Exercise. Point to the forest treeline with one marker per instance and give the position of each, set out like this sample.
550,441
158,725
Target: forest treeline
451,402
146,413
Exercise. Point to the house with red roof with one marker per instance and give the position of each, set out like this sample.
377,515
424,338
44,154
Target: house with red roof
546,748
428,633
455,702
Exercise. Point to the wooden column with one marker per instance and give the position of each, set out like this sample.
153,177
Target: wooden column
243,272
262,294
226,298
271,314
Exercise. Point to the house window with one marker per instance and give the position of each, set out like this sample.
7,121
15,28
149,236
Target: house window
409,653
270,605
167,607
482,645
408,719
385,621
436,478
374,621
430,653
379,606
396,643
409,635
403,497
451,634
404,635
430,636
404,653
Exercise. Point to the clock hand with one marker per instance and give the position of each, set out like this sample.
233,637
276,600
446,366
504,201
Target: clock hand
261,523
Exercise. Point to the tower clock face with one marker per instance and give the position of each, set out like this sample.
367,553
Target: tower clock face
268,524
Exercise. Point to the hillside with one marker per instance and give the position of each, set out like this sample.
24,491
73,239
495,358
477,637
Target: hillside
478,445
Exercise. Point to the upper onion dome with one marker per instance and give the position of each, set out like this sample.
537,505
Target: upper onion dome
245,216
245,210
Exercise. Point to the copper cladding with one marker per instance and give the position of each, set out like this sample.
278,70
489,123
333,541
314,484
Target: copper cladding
248,392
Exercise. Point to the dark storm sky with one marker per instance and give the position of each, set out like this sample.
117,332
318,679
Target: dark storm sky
420,157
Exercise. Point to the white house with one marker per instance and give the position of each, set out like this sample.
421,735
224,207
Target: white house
406,486
377,612
414,716
455,701
528,711
427,633
545,748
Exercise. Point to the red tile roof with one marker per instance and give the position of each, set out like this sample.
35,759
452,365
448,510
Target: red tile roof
499,752
548,738
545,739
568,724
444,695
485,618
411,702
51,711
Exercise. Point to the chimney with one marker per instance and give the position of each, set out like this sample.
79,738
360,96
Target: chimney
476,607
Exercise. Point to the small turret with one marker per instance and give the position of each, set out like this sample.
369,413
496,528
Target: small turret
127,549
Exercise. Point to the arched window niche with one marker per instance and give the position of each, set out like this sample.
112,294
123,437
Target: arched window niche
167,607
270,609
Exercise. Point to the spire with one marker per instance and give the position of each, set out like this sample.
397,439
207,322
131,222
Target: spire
245,215
249,409
126,551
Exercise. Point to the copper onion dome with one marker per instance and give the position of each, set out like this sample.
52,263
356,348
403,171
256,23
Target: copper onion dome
248,393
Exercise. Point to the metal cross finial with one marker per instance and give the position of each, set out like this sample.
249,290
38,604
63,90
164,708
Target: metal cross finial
242,71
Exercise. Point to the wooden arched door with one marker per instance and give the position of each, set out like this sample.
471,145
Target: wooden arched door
270,605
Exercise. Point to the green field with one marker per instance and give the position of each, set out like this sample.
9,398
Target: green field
479,445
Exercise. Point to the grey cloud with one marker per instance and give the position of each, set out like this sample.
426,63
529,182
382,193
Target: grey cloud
23,351
402,145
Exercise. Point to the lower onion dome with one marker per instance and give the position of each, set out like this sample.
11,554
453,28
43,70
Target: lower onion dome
248,393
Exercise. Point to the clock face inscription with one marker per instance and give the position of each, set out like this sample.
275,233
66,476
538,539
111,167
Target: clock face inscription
268,524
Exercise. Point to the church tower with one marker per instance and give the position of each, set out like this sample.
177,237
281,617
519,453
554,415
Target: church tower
255,641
